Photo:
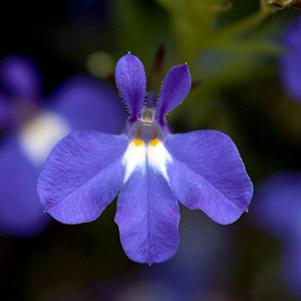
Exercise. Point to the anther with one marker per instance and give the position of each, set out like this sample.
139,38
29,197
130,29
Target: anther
147,116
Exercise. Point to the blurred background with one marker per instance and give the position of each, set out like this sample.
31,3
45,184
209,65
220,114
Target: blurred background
57,63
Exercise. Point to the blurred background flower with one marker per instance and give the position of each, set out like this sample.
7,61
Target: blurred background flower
33,129
245,54
277,208
290,63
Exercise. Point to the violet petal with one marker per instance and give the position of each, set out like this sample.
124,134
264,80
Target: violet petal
131,83
176,86
82,175
148,218
207,173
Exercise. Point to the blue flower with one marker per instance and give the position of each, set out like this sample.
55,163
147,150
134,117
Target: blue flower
277,210
149,167
290,62
32,126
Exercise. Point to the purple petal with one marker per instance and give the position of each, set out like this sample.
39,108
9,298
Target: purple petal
277,205
82,175
148,218
131,82
176,87
21,212
207,173
89,104
290,62
20,78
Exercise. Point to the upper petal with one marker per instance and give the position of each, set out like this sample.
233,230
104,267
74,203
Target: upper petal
176,87
86,103
148,218
207,173
82,175
131,82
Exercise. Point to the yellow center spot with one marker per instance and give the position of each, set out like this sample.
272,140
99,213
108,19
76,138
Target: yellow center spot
138,142
154,142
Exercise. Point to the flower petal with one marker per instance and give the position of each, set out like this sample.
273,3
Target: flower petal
86,103
148,218
176,87
82,175
131,82
277,205
207,173
21,213
20,78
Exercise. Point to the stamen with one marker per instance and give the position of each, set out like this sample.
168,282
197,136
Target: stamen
146,129
138,142
154,142
147,116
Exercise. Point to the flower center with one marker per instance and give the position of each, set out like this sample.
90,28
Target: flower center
146,147
146,129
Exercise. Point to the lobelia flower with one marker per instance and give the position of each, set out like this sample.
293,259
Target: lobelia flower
152,168
31,127
277,210
290,62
